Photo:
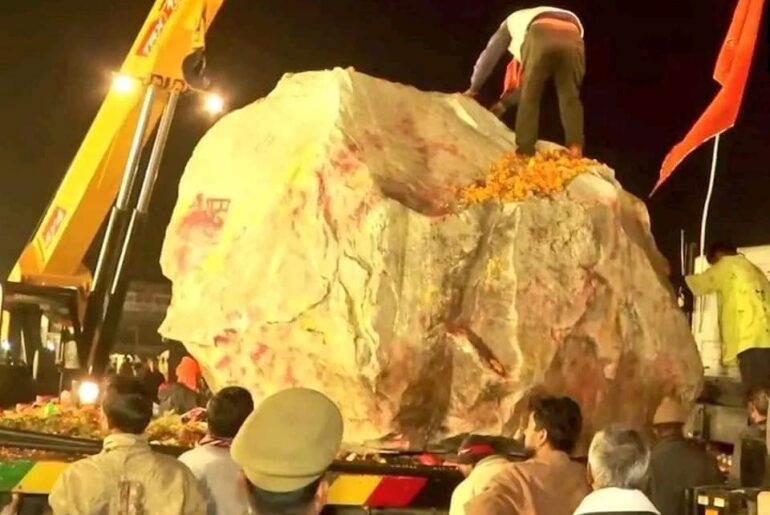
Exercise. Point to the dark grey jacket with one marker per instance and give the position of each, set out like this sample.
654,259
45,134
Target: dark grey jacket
751,464
676,465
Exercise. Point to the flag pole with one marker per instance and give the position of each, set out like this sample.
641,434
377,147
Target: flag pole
709,193
704,219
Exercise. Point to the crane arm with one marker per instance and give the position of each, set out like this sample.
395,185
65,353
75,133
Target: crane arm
173,31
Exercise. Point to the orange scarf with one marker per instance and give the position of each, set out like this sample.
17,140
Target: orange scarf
188,373
512,77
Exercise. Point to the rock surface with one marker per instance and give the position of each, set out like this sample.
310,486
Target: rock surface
316,242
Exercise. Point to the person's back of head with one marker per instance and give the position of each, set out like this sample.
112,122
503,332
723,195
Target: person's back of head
554,423
618,458
228,410
301,501
669,419
126,369
758,401
719,249
126,405
151,363
285,447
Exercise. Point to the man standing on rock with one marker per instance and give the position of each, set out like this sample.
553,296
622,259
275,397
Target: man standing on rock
546,43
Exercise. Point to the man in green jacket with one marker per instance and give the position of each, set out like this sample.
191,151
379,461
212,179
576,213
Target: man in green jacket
744,311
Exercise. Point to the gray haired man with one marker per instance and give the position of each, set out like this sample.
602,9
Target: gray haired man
617,469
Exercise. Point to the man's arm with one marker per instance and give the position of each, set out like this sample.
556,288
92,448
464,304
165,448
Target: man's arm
459,498
58,499
490,502
503,496
194,500
706,282
486,62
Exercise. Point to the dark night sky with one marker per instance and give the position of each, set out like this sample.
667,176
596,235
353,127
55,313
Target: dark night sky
649,68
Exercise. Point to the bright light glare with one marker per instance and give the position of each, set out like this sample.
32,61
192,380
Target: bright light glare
5,345
51,346
123,83
88,392
214,104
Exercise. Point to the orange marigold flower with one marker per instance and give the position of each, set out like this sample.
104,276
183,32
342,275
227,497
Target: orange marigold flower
514,178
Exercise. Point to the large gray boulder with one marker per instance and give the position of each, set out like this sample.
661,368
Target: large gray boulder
317,241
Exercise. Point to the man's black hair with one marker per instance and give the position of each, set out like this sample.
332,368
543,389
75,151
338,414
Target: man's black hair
720,247
669,429
127,405
295,502
227,411
561,418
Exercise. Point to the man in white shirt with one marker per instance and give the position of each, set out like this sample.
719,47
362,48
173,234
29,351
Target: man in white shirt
210,461
617,468
480,458
546,43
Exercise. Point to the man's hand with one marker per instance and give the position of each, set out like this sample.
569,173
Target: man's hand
497,109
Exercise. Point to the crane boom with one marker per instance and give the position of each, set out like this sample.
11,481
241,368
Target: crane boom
173,31
167,58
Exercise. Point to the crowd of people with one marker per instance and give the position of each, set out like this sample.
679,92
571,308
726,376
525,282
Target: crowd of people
622,474
180,391
273,458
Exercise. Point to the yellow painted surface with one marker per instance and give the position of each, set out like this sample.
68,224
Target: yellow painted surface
349,490
41,478
763,503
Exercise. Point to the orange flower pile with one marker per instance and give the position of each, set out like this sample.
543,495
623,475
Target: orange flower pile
515,178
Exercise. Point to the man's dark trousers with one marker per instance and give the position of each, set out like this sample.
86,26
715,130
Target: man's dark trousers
547,53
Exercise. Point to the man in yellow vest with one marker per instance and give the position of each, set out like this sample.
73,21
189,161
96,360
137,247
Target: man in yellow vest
744,311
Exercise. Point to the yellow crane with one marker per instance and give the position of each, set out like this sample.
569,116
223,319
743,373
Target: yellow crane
166,59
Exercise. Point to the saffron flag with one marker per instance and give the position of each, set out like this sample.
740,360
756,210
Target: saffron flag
731,72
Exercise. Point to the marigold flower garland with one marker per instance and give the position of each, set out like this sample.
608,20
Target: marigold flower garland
515,178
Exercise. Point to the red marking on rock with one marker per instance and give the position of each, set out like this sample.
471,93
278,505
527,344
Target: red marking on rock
225,337
345,161
321,188
288,376
449,148
584,381
206,214
364,208
301,203
257,354
323,197
203,221
224,362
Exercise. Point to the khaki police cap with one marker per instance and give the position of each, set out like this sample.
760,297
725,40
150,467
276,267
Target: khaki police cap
670,411
289,440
